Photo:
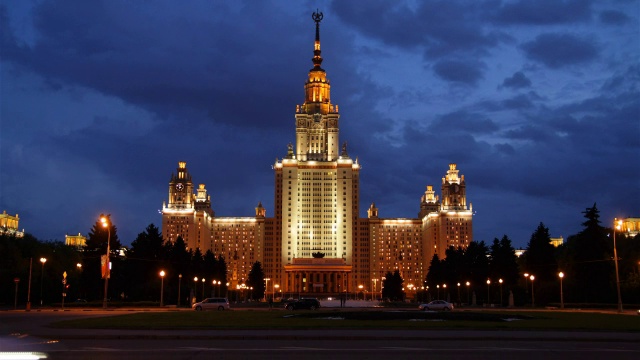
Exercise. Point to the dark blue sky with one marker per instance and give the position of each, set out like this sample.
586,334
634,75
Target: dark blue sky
538,102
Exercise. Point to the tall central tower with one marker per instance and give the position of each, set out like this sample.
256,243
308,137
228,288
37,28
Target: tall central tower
317,184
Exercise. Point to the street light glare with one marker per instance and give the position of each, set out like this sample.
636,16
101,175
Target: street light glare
532,277
561,274
43,260
162,273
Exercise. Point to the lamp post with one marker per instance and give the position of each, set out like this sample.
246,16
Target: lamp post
500,281
195,288
266,286
617,225
179,281
438,287
202,288
162,273
42,260
533,303
468,299
276,286
459,301
561,275
488,285
526,283
106,223
79,267
360,288
444,289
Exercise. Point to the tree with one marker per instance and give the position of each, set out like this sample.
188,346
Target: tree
144,261
91,271
539,258
392,286
435,274
590,275
256,281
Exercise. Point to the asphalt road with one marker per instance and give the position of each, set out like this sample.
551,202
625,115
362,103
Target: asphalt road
28,332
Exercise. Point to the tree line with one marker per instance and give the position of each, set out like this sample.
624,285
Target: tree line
586,260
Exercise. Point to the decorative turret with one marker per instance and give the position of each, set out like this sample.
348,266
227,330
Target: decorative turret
373,211
453,190
429,202
261,212
317,118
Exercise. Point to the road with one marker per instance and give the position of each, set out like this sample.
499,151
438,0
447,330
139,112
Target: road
21,331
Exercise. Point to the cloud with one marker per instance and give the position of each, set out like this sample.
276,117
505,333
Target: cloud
468,73
561,50
517,81
543,12
441,28
613,17
463,122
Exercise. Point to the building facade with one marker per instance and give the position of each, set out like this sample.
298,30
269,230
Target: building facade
316,243
9,224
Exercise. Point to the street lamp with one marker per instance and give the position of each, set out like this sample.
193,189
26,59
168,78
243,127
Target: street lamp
438,287
532,299
500,281
179,281
561,275
266,286
617,224
360,288
195,288
42,260
468,299
276,286
488,285
162,273
444,289
202,288
459,301
106,223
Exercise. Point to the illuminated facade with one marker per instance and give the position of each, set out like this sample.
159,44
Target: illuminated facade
316,243
78,241
9,224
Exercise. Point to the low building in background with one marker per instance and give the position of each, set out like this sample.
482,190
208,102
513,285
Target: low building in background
9,224
78,241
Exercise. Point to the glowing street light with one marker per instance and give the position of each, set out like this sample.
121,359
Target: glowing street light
532,299
266,287
202,288
500,281
162,273
468,299
561,275
195,288
438,287
488,285
42,260
617,225
106,223
179,281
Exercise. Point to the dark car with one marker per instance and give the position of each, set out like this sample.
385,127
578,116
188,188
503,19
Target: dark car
304,303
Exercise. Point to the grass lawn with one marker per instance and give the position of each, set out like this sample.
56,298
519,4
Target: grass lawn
339,319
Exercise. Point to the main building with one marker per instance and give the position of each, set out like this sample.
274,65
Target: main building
316,243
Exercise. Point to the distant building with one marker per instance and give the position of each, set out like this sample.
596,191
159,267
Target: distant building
631,226
78,241
316,243
9,224
557,241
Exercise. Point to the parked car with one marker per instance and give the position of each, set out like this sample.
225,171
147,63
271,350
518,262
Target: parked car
304,303
211,304
436,305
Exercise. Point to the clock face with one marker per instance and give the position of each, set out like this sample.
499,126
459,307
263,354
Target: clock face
179,186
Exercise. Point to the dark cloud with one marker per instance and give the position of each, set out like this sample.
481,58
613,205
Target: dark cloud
517,81
441,27
518,102
543,12
463,122
613,17
560,50
468,73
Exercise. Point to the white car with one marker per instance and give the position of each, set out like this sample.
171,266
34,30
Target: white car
436,305
211,304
